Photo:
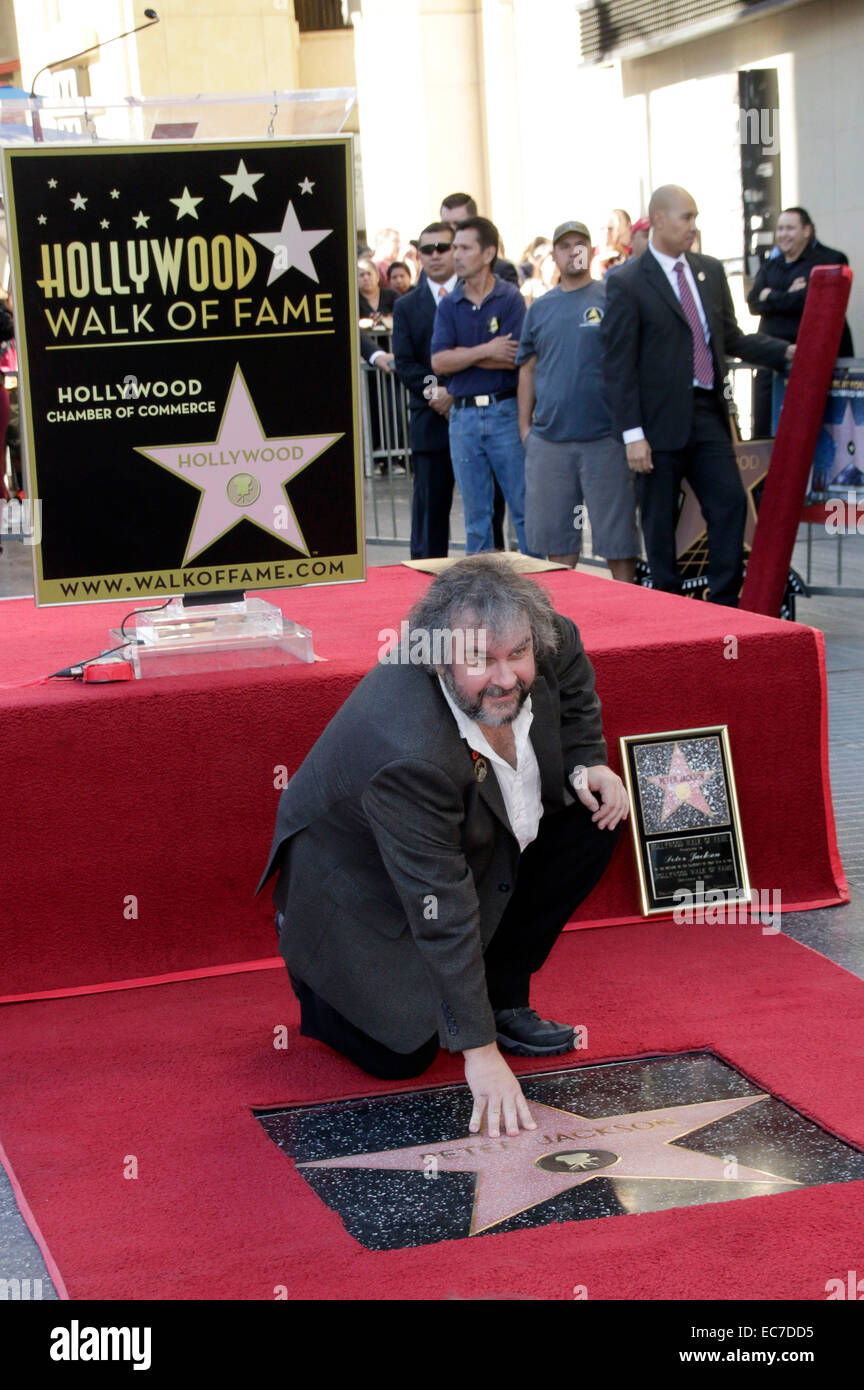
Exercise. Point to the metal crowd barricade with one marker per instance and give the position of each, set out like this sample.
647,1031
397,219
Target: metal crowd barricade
387,465
386,451
820,550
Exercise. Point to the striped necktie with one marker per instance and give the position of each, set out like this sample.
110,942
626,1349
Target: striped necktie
703,367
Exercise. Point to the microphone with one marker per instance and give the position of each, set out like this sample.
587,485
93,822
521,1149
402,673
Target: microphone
151,17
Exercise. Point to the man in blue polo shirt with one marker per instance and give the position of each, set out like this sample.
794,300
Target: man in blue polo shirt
474,343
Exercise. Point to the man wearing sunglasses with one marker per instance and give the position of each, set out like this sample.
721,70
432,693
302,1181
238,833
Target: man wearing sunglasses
429,401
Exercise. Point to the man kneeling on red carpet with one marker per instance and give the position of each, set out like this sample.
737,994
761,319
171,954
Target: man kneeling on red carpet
440,833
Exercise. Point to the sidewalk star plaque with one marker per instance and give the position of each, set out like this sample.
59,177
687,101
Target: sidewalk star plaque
612,1140
187,326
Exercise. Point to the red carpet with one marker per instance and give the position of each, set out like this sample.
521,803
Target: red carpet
168,1075
163,791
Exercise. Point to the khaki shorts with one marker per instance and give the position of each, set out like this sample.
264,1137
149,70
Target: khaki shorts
561,479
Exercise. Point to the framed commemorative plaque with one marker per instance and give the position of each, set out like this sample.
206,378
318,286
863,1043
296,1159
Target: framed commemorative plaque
685,822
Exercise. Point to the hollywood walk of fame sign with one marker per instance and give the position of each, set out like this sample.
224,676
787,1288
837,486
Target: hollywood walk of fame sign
685,823
187,325
611,1140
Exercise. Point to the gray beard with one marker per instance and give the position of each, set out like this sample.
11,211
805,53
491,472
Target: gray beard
474,708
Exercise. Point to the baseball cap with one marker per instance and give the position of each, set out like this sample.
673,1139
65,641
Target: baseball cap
566,227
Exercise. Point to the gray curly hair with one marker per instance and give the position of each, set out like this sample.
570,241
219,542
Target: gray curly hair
485,592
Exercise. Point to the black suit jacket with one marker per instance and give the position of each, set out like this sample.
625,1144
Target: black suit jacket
413,319
397,862
649,347
369,346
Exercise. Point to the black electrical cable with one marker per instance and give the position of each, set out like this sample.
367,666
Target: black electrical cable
76,672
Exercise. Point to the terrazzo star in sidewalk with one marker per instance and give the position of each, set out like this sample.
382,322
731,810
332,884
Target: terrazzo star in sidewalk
241,474
520,1171
291,246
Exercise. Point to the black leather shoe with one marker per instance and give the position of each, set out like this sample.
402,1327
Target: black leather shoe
524,1032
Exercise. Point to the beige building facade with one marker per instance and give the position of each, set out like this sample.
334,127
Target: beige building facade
543,109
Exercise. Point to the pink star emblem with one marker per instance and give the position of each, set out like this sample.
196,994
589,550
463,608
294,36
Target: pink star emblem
241,474
520,1171
681,785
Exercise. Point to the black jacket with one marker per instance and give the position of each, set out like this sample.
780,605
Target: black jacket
649,347
396,863
506,270
780,314
413,318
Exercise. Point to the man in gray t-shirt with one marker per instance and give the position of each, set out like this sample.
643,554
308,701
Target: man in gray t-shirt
572,458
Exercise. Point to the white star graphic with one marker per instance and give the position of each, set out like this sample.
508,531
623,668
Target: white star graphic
186,205
241,474
141,220
41,219
306,186
78,203
104,222
115,192
242,183
52,183
291,247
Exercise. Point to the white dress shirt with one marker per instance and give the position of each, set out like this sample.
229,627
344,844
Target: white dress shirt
520,785
448,285
668,264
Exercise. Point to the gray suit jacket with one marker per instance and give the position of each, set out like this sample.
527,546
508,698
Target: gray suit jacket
396,862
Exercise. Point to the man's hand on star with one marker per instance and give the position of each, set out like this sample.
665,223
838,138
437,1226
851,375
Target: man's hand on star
613,805
496,1093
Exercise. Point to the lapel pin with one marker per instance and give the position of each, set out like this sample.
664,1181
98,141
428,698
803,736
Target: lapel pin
701,275
480,768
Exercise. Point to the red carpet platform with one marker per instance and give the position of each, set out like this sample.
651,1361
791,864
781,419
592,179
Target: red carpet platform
163,791
168,1076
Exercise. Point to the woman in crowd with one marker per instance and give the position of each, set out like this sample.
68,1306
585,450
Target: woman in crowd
778,295
617,248
376,303
539,269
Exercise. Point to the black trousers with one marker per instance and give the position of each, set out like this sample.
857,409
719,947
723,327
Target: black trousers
499,506
708,463
763,386
556,872
430,503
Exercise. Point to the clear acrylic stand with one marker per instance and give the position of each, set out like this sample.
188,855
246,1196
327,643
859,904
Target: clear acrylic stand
227,636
